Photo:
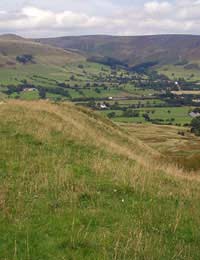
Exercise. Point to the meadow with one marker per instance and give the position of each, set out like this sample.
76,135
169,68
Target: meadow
173,115
96,192
176,72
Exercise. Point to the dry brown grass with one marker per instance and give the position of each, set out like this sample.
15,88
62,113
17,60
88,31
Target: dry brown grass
75,123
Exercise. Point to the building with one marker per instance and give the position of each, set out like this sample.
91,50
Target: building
103,106
194,115
29,89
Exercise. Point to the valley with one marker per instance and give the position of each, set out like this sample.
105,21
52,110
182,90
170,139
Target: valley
122,94
99,155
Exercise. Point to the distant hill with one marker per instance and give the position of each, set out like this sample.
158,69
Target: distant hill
13,46
133,50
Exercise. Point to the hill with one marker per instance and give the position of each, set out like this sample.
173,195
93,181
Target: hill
13,46
76,186
134,50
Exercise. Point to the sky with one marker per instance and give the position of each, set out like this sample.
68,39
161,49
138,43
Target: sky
50,18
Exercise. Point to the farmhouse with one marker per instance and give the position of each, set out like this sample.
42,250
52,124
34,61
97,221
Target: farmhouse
103,106
196,100
194,114
29,89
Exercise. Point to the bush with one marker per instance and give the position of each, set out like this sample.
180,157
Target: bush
195,126
25,58
131,113
111,114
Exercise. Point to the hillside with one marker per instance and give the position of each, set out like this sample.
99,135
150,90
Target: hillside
12,46
76,186
134,50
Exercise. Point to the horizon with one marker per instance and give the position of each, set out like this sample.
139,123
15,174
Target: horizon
101,35
36,19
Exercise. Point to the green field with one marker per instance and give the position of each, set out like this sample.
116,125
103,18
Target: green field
175,72
179,114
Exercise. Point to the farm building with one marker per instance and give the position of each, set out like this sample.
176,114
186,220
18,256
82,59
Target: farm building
194,114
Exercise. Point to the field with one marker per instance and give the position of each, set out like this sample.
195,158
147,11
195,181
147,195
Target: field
86,82
96,192
187,92
177,144
176,72
174,115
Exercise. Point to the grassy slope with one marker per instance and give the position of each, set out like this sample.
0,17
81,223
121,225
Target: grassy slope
75,186
10,47
184,150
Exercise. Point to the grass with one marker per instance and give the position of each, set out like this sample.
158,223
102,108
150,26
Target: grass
146,102
175,72
42,54
76,186
187,92
183,150
45,74
179,114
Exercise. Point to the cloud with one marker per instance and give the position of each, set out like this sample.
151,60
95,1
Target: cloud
181,16
155,7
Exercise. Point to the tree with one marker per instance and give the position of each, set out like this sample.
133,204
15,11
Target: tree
131,113
97,90
111,114
25,58
42,93
195,126
146,117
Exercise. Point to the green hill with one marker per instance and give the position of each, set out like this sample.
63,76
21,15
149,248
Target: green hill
73,185
13,46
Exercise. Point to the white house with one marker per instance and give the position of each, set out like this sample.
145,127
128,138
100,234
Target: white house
193,114
103,106
29,89
196,100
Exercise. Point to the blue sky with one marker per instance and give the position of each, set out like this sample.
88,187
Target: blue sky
42,18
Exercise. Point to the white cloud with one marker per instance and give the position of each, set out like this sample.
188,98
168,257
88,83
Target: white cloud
155,7
182,16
